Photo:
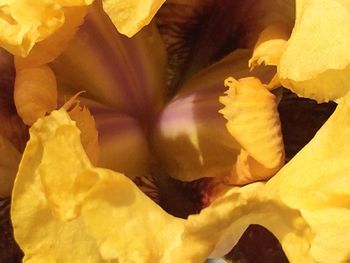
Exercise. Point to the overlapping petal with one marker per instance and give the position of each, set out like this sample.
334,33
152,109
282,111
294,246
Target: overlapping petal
72,203
23,23
308,200
316,61
190,135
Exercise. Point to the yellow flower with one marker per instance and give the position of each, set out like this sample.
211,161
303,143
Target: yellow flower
74,190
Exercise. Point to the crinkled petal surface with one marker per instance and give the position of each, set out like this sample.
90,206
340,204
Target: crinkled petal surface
316,61
130,16
24,23
56,182
306,205
41,234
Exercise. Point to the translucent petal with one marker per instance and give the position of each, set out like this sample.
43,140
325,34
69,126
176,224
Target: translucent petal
87,126
42,236
321,37
23,23
130,16
35,93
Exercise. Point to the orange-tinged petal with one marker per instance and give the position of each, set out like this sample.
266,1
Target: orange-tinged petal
316,61
131,16
35,93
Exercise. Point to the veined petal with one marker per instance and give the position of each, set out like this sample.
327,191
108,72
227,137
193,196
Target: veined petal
118,71
315,64
122,142
23,23
35,93
190,137
131,16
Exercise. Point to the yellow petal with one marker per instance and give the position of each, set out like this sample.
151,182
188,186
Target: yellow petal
47,50
270,46
35,93
87,126
23,23
56,178
38,189
253,120
217,228
316,61
131,16
143,232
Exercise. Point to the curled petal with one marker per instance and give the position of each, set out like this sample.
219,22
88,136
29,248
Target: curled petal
217,228
23,23
270,45
190,135
253,120
322,73
131,16
35,93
